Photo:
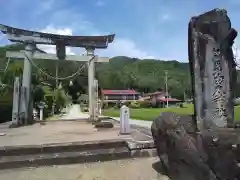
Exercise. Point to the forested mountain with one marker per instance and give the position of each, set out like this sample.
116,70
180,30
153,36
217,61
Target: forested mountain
146,75
121,72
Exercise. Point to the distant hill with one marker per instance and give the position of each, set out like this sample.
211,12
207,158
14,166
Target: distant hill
144,75
120,73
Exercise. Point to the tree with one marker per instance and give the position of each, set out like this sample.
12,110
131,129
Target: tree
120,73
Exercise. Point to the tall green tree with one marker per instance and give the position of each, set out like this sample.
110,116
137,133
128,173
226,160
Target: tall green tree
121,72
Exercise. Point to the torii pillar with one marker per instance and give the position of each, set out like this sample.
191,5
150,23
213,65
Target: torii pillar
26,101
31,38
91,89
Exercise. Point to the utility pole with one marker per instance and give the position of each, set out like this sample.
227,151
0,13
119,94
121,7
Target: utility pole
184,96
57,67
166,84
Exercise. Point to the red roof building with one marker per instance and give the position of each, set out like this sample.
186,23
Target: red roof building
163,99
157,93
119,92
115,95
160,99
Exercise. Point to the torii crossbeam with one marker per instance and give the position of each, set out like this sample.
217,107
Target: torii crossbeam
32,38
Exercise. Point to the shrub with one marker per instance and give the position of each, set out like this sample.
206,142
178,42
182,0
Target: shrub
105,105
126,103
134,105
61,98
85,109
112,104
181,105
144,104
6,112
118,104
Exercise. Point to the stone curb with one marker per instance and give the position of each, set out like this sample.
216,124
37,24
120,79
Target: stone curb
99,155
74,119
63,158
61,147
132,145
143,153
60,120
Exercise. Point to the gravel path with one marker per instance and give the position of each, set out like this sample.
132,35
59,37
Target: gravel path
74,112
134,169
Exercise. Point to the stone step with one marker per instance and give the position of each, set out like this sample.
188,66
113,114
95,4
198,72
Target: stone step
48,159
61,147
139,145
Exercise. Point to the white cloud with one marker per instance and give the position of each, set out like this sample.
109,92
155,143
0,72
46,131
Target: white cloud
74,20
100,3
2,36
80,26
236,53
164,17
119,47
125,47
60,31
65,21
47,4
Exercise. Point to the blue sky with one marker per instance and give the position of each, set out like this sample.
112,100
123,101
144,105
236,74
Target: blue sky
144,28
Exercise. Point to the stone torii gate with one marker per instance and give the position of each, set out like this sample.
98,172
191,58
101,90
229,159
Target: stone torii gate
32,38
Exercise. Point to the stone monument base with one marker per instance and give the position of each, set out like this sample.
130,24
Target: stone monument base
14,125
103,124
195,155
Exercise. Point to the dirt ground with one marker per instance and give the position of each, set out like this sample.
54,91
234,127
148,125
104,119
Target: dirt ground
75,131
133,169
59,132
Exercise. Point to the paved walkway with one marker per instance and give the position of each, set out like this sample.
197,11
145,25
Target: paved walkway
142,123
59,132
74,112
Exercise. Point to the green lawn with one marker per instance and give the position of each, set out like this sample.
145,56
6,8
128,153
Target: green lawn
149,114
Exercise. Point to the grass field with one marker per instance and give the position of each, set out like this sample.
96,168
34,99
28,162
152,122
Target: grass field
149,114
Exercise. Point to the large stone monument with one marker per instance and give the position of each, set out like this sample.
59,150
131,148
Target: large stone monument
205,145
